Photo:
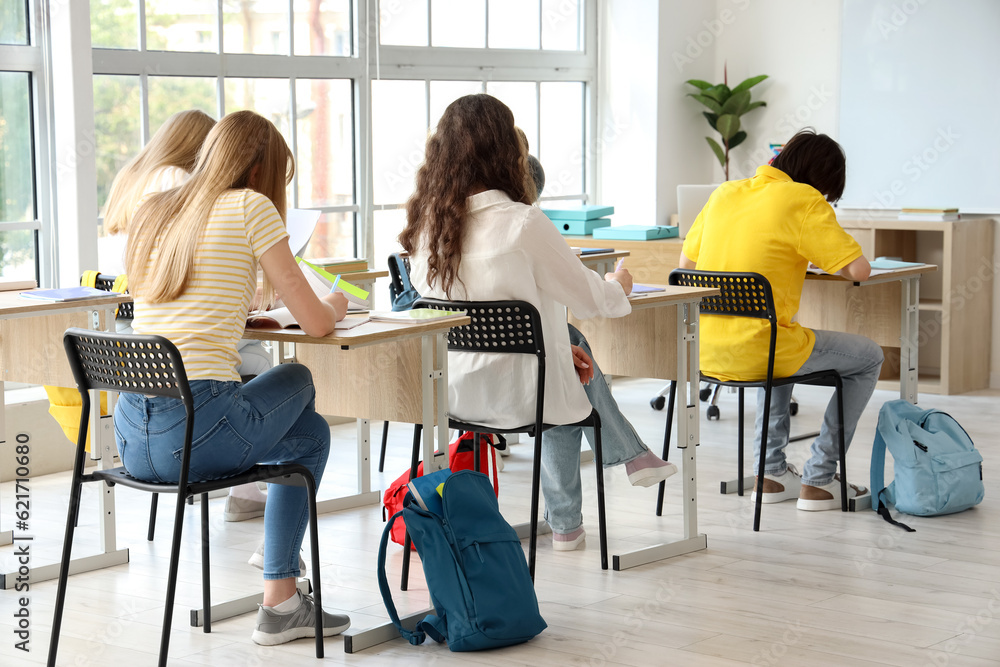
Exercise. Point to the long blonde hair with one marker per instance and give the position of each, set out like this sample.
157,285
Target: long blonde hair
175,144
243,150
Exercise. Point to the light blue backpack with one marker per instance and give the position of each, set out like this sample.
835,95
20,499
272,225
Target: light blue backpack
936,467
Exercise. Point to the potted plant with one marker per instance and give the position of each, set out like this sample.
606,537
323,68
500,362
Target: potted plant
725,108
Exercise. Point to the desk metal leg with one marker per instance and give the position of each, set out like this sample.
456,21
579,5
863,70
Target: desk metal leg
908,331
434,382
687,444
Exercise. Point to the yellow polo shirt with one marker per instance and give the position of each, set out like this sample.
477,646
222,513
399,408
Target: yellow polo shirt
770,225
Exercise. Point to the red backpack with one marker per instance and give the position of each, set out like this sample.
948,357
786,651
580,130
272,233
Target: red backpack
461,456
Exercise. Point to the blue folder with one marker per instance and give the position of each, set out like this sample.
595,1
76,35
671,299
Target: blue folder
636,232
581,227
586,212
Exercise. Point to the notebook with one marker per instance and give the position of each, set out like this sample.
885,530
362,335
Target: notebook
67,294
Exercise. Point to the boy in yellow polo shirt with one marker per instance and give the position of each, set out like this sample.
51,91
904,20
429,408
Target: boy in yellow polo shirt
775,224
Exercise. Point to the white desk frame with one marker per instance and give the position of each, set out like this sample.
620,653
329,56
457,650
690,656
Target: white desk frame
103,450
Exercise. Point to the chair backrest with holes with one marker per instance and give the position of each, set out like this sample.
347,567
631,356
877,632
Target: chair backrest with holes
512,327
126,363
740,295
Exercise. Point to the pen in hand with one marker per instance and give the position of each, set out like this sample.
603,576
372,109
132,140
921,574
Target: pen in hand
333,287
619,265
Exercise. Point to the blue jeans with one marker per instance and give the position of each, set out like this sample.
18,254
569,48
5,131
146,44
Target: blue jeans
560,474
271,419
858,360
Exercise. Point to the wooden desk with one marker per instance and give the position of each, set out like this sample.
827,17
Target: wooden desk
869,308
659,339
31,351
603,262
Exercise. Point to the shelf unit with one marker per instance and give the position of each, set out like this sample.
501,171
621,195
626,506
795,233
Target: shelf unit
955,302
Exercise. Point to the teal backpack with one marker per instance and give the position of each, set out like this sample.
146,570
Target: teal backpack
474,566
936,467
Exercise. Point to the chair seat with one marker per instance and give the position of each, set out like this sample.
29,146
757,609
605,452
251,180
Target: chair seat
529,429
824,378
287,474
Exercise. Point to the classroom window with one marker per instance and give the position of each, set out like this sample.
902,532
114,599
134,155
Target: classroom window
114,24
323,28
561,148
172,26
170,94
324,164
399,132
117,128
255,26
551,25
13,22
17,184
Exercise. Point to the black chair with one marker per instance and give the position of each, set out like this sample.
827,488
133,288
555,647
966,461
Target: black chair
749,295
151,365
513,327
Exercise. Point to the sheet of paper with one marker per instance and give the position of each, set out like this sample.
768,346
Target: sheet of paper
301,223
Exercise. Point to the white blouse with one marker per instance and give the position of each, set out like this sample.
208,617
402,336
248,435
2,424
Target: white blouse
512,251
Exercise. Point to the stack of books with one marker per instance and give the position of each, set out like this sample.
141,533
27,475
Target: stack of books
341,264
580,220
929,214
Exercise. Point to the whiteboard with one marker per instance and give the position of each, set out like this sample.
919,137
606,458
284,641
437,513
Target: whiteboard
920,104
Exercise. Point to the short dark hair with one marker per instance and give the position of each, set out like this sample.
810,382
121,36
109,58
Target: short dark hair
816,160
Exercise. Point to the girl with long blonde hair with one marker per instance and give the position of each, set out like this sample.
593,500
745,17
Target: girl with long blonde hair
192,260
473,235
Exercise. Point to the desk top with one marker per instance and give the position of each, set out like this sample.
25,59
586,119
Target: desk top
368,333
671,294
11,305
883,277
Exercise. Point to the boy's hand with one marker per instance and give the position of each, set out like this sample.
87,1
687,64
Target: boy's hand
583,363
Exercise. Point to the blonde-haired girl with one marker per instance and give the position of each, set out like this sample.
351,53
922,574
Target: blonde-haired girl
192,259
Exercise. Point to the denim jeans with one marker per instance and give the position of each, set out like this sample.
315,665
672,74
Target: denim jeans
271,419
858,360
560,474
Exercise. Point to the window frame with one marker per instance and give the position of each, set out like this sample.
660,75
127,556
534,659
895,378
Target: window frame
31,59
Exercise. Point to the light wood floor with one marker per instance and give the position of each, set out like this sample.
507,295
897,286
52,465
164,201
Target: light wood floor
809,589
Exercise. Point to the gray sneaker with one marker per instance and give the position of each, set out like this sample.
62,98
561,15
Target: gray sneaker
257,559
274,627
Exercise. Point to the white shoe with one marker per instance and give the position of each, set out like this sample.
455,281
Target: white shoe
241,509
779,488
827,497
568,541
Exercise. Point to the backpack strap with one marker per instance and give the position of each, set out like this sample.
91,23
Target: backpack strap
877,482
417,635
435,627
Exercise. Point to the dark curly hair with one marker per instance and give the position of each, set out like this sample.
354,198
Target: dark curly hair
475,148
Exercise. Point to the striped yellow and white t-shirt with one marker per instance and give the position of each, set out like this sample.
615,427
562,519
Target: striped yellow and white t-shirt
207,321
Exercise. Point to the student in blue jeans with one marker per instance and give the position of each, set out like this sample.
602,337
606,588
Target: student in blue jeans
192,258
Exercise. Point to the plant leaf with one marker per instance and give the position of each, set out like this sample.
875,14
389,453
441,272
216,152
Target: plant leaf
698,83
712,119
754,105
737,103
708,102
728,125
749,83
737,139
717,149
719,93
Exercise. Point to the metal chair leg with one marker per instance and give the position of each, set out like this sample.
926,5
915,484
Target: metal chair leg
536,471
206,577
601,515
666,444
385,437
151,530
414,457
763,455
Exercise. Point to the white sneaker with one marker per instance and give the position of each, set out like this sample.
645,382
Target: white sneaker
827,497
568,541
779,488
241,509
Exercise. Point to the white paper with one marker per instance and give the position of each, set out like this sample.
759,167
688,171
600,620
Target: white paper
301,223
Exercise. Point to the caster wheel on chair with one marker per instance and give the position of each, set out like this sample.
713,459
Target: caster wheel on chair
793,408
705,393
713,412
657,402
